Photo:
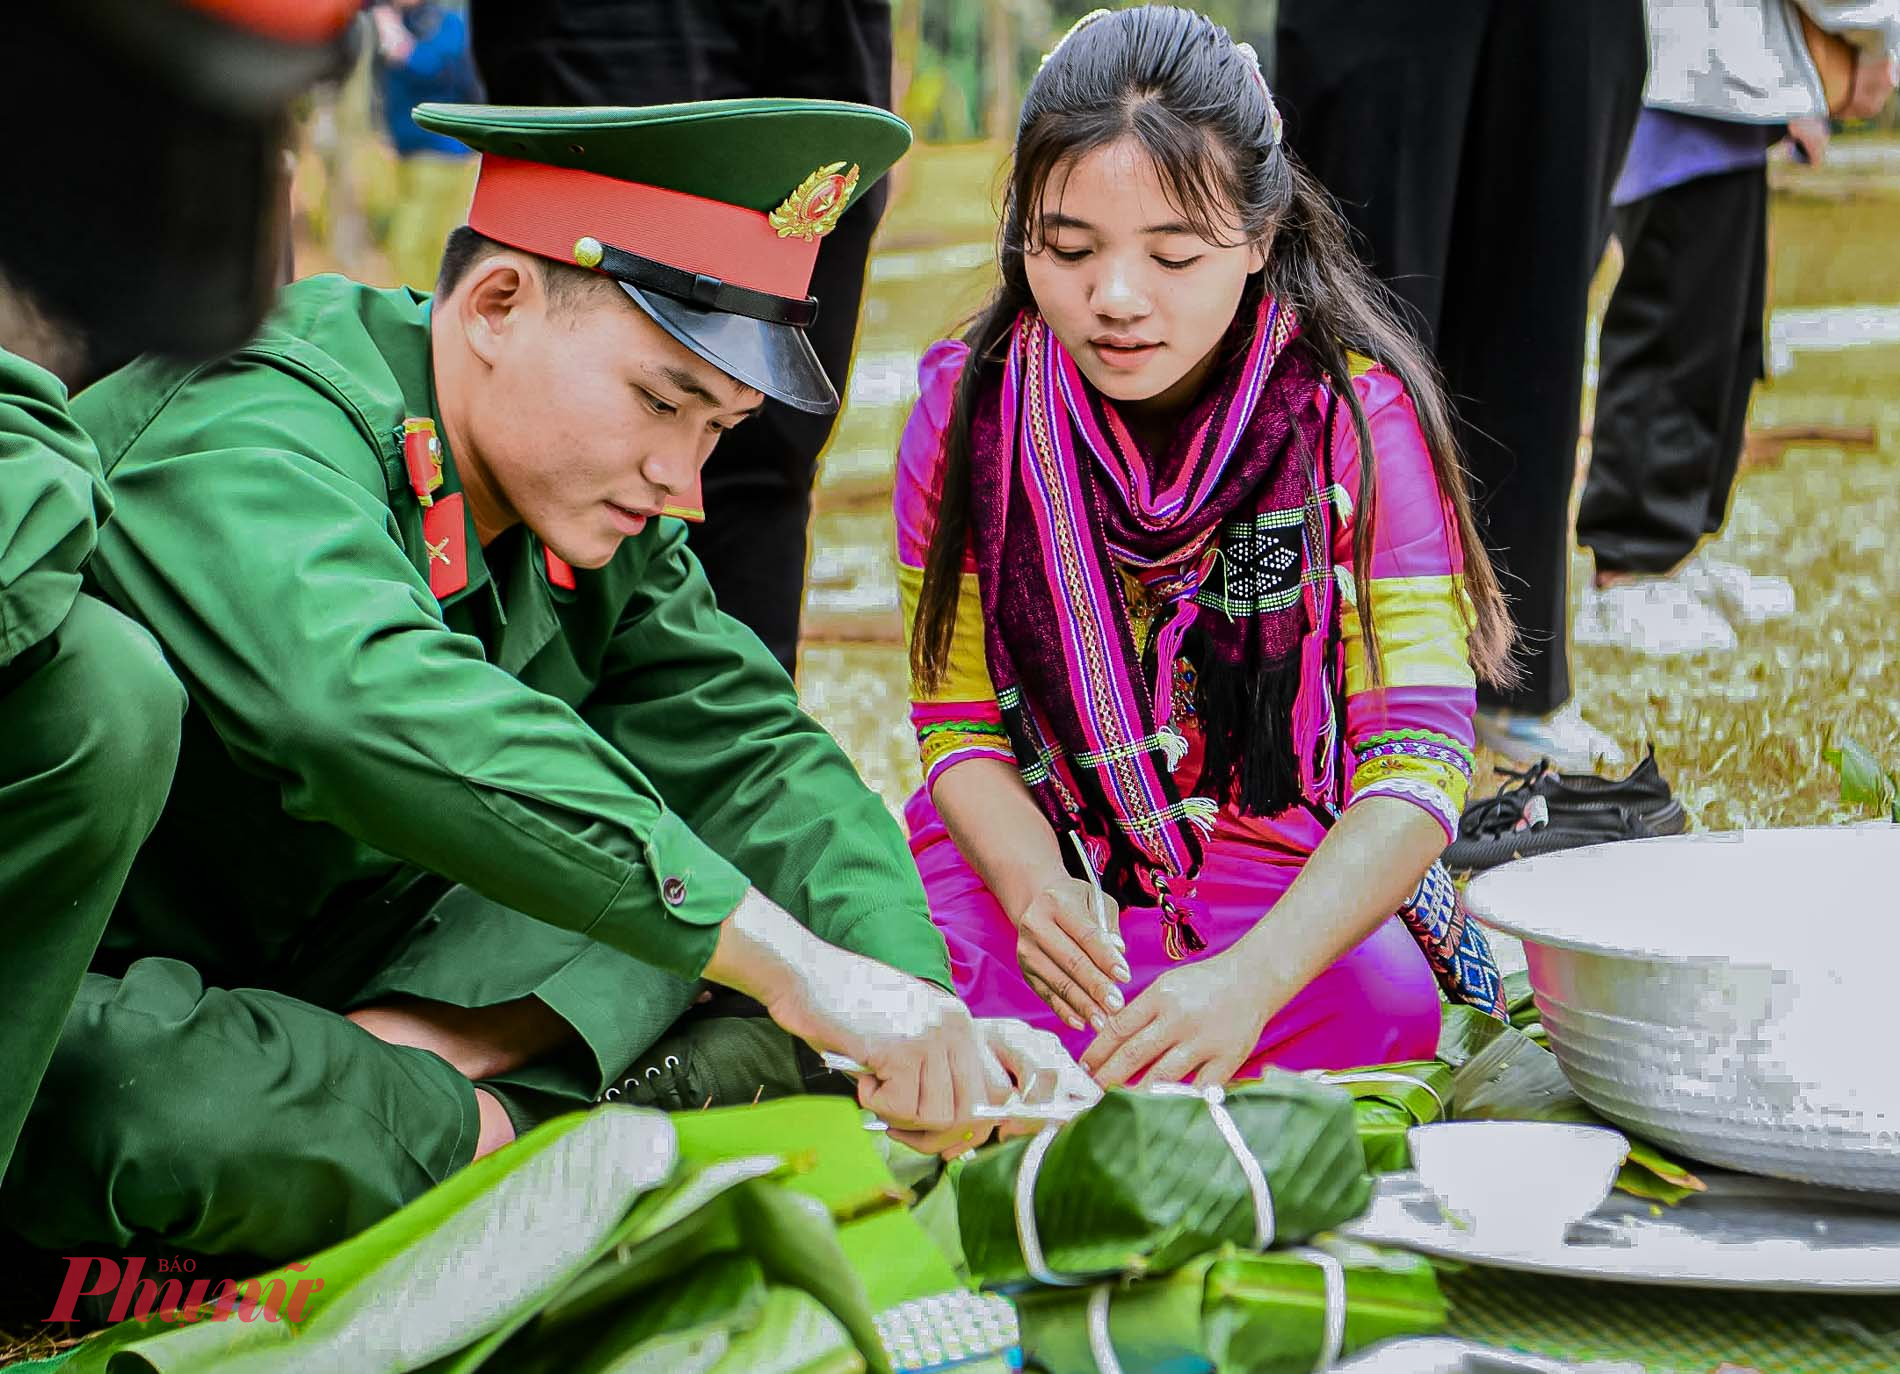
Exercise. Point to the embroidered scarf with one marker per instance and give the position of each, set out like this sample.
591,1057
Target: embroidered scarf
1229,535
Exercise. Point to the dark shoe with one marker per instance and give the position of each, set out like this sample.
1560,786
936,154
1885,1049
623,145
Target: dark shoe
724,1061
1541,811
1644,791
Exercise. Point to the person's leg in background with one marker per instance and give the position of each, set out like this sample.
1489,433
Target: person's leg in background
1558,91
1473,152
1680,353
758,485
1376,96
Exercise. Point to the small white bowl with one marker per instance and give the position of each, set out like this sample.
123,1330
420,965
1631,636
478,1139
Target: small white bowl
1517,1184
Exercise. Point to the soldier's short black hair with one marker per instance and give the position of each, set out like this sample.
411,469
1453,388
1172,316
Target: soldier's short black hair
566,285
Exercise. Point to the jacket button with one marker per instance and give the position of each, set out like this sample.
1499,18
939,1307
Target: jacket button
673,892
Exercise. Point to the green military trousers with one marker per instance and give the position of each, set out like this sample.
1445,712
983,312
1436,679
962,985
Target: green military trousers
258,1121
89,722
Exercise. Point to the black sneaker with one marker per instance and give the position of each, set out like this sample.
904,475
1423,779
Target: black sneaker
724,1061
1540,811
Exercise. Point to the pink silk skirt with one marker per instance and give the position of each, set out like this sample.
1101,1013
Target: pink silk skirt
1377,1003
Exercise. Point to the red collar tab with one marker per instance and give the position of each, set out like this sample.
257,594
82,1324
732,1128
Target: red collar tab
560,573
445,537
422,458
550,210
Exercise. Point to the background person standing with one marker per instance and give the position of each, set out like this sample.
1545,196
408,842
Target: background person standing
1682,334
1473,143
651,52
422,55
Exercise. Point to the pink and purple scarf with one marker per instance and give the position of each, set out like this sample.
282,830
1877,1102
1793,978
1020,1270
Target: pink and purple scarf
1229,534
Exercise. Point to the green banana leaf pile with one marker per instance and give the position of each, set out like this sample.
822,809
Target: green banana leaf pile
1235,1310
1143,1182
760,1239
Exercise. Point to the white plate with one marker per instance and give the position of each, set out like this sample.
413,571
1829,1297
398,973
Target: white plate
1745,1232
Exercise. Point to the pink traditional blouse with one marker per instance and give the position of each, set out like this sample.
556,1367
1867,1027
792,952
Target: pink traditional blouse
1408,737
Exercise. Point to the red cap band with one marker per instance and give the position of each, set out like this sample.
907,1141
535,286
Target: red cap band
545,210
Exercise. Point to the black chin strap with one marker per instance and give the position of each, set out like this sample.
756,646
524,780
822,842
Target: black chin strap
708,293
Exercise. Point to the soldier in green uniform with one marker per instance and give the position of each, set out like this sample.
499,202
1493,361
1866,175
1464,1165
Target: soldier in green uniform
477,784
89,712
88,729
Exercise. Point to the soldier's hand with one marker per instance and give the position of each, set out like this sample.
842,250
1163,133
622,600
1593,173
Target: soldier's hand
927,1068
927,1065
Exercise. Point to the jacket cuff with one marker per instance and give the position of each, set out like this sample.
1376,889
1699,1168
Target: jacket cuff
668,913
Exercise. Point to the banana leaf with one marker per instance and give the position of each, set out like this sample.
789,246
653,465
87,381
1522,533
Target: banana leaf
721,1315
692,1314
936,1216
786,1222
1462,1032
1390,1099
1519,1002
1512,1078
1235,1311
831,1223
794,1335
838,1161
788,1236
1143,1182
848,1173
465,1259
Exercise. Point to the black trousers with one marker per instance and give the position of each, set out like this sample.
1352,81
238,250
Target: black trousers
1473,145
758,484
1680,354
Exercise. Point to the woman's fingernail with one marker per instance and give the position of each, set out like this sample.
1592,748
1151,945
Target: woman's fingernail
1121,973
1097,1020
1114,999
1120,944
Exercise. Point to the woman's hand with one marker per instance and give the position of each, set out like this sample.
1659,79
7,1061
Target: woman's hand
1201,1020
1073,960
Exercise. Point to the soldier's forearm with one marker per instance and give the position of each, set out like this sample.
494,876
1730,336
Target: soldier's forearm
762,951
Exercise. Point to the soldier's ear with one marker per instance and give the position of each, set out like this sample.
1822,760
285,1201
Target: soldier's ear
498,294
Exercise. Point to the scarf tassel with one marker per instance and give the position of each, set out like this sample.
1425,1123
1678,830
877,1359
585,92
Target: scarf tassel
1178,936
1313,719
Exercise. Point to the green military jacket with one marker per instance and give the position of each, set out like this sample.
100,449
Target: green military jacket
51,505
616,759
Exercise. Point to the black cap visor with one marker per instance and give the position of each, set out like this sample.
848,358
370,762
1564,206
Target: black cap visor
774,358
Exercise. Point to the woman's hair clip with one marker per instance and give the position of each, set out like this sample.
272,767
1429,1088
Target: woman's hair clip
1081,23
1274,125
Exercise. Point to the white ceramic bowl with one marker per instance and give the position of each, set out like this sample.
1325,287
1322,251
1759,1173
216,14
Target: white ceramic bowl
1517,1184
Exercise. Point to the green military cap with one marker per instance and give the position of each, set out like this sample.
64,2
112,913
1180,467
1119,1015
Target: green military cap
707,214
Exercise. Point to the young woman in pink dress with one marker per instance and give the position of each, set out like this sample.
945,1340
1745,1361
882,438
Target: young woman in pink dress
1194,592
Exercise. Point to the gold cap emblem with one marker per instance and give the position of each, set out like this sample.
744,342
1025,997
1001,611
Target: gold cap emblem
587,252
812,210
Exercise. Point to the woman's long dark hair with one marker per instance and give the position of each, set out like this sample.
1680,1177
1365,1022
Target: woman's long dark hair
1176,82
